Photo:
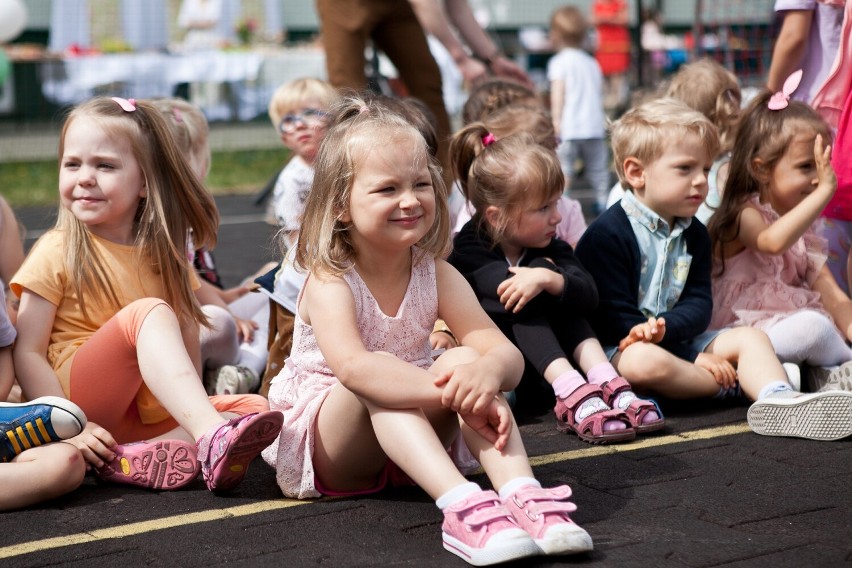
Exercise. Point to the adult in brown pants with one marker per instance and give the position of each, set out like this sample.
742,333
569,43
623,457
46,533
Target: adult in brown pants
394,29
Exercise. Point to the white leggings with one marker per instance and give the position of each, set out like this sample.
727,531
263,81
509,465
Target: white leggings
809,337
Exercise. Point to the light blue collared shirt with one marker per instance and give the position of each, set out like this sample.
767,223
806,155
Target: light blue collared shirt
665,262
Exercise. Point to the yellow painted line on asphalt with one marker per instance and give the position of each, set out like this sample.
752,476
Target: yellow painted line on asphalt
134,529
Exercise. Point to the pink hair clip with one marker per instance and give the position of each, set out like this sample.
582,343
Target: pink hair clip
488,139
178,115
781,99
127,105
363,109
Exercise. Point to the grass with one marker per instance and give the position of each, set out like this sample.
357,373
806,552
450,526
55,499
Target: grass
27,184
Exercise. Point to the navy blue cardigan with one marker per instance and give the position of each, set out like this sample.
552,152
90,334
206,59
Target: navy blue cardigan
610,252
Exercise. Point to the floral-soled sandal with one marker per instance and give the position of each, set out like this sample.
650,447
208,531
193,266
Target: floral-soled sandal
638,408
590,427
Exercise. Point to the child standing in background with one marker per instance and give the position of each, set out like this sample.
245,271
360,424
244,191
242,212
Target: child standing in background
652,266
532,286
375,230
576,103
770,263
233,347
99,325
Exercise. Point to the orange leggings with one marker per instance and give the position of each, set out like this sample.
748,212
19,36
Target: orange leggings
105,379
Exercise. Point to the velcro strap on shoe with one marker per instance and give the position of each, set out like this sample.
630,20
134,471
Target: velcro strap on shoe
487,515
532,494
545,507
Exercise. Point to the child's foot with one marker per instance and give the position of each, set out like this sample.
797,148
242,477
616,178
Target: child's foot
816,416
236,379
585,413
41,421
165,464
481,531
823,379
543,513
226,451
644,415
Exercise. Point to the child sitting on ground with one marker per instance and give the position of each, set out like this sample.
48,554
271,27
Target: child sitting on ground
652,266
108,317
375,229
770,265
531,285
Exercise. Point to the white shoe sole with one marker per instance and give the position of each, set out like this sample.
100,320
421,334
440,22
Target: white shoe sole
818,416
513,544
565,539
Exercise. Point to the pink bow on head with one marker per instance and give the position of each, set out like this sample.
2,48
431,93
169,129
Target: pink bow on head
781,99
488,139
127,105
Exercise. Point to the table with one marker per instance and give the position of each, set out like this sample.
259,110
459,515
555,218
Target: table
251,76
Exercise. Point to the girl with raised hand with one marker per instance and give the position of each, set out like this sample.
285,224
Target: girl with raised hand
108,318
374,232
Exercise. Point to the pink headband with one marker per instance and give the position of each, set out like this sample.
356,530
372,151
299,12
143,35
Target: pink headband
488,139
127,105
781,99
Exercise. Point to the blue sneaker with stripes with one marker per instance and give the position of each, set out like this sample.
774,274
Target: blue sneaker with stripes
41,421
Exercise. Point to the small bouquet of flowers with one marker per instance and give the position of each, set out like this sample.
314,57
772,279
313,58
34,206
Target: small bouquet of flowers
245,30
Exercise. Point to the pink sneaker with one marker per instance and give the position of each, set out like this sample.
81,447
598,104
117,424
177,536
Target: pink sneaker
481,531
226,451
166,464
539,512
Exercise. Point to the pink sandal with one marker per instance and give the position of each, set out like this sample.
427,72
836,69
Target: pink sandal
165,464
638,408
591,428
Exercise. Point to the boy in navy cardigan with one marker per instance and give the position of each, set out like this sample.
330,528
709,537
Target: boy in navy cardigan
651,261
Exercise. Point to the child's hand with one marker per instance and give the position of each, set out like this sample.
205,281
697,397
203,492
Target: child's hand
495,424
245,329
826,178
652,331
96,445
527,283
467,388
721,369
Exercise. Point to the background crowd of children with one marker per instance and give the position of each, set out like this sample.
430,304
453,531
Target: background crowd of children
421,314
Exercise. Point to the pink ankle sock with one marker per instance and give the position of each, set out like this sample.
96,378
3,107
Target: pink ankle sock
567,382
602,373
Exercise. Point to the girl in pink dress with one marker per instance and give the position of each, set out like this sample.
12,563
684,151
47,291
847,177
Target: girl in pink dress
770,269
363,400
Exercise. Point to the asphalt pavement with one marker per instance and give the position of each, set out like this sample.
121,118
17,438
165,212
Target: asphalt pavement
706,492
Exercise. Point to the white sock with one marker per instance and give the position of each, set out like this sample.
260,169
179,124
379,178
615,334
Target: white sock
773,388
512,486
457,494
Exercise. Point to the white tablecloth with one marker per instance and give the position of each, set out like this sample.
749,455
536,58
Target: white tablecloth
251,75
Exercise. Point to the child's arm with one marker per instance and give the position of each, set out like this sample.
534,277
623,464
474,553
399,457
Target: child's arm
35,321
7,372
790,47
835,301
776,238
500,364
557,101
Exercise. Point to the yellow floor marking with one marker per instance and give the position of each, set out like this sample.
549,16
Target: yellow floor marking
134,529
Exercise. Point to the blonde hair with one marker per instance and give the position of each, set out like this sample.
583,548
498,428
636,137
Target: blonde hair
176,203
511,174
643,132
292,96
568,26
190,129
534,120
324,245
713,91
494,94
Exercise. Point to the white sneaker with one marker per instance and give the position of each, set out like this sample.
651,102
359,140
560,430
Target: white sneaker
236,379
816,416
823,379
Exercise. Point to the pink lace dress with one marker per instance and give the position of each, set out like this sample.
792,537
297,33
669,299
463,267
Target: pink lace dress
305,381
758,290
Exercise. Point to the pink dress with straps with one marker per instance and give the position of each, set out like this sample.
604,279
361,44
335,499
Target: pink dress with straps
305,381
758,290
